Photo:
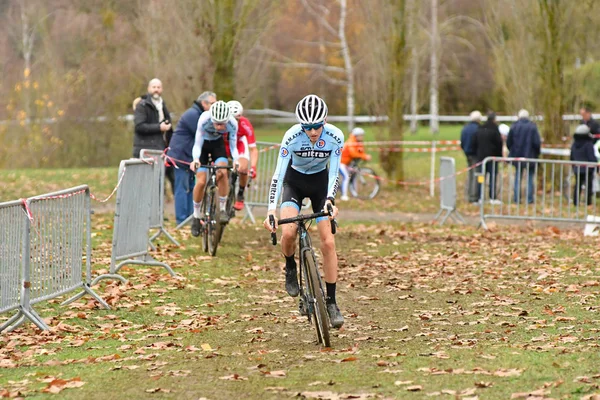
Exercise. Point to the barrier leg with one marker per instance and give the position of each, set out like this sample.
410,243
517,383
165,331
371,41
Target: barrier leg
12,319
187,221
448,212
21,317
248,214
457,217
86,290
168,235
112,276
146,261
438,214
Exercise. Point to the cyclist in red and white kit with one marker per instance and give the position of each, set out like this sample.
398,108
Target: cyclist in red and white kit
246,146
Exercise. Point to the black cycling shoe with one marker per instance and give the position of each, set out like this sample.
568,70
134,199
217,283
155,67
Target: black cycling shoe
196,227
335,316
291,281
224,217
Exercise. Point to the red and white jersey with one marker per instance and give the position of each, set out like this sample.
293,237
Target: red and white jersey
245,138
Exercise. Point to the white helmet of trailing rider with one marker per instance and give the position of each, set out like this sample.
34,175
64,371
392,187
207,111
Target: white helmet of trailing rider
311,110
220,112
236,108
358,131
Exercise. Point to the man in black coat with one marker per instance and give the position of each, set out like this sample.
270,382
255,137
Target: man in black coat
153,129
487,142
582,150
587,119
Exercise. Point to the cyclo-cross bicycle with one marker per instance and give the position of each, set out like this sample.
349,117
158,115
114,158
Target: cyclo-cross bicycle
312,292
213,226
364,182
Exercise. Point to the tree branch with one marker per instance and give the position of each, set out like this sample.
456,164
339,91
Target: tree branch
306,65
319,17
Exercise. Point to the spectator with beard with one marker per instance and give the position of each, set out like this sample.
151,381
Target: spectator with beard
153,129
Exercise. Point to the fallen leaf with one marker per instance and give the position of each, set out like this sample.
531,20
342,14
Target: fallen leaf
234,377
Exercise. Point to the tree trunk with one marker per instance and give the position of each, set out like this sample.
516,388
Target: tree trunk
414,79
433,100
27,41
392,161
347,65
551,71
223,48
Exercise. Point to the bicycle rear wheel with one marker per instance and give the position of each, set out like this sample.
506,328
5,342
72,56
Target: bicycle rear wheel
364,184
231,197
316,289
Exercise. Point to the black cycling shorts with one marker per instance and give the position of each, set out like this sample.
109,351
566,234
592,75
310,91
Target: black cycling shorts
297,186
214,148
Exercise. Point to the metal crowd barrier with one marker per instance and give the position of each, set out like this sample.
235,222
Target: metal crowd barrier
257,192
448,191
132,218
157,205
536,189
44,238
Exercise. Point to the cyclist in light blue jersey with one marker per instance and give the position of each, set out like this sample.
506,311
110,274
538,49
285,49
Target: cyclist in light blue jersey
308,166
212,126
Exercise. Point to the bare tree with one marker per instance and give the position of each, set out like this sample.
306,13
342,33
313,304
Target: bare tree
434,123
414,79
319,12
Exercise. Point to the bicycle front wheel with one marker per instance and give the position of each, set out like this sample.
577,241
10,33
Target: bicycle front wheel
319,309
205,213
364,184
213,224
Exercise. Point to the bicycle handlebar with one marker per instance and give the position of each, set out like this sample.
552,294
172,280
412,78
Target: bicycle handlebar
302,217
216,166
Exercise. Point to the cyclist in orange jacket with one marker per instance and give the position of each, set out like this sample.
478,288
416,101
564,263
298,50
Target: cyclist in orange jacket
353,149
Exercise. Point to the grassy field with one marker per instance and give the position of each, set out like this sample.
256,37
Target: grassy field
430,312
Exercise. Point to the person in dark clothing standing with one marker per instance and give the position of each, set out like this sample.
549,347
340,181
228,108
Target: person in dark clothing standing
587,119
524,142
582,150
153,125
487,142
180,149
466,137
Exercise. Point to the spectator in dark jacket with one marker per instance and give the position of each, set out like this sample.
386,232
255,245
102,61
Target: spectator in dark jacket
487,142
524,142
466,137
586,119
582,150
153,124
180,149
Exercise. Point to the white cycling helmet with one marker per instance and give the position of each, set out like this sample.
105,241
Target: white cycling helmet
358,131
311,110
236,108
220,112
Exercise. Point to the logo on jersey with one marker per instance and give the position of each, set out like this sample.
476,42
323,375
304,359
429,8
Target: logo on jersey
313,154
338,151
321,143
284,152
